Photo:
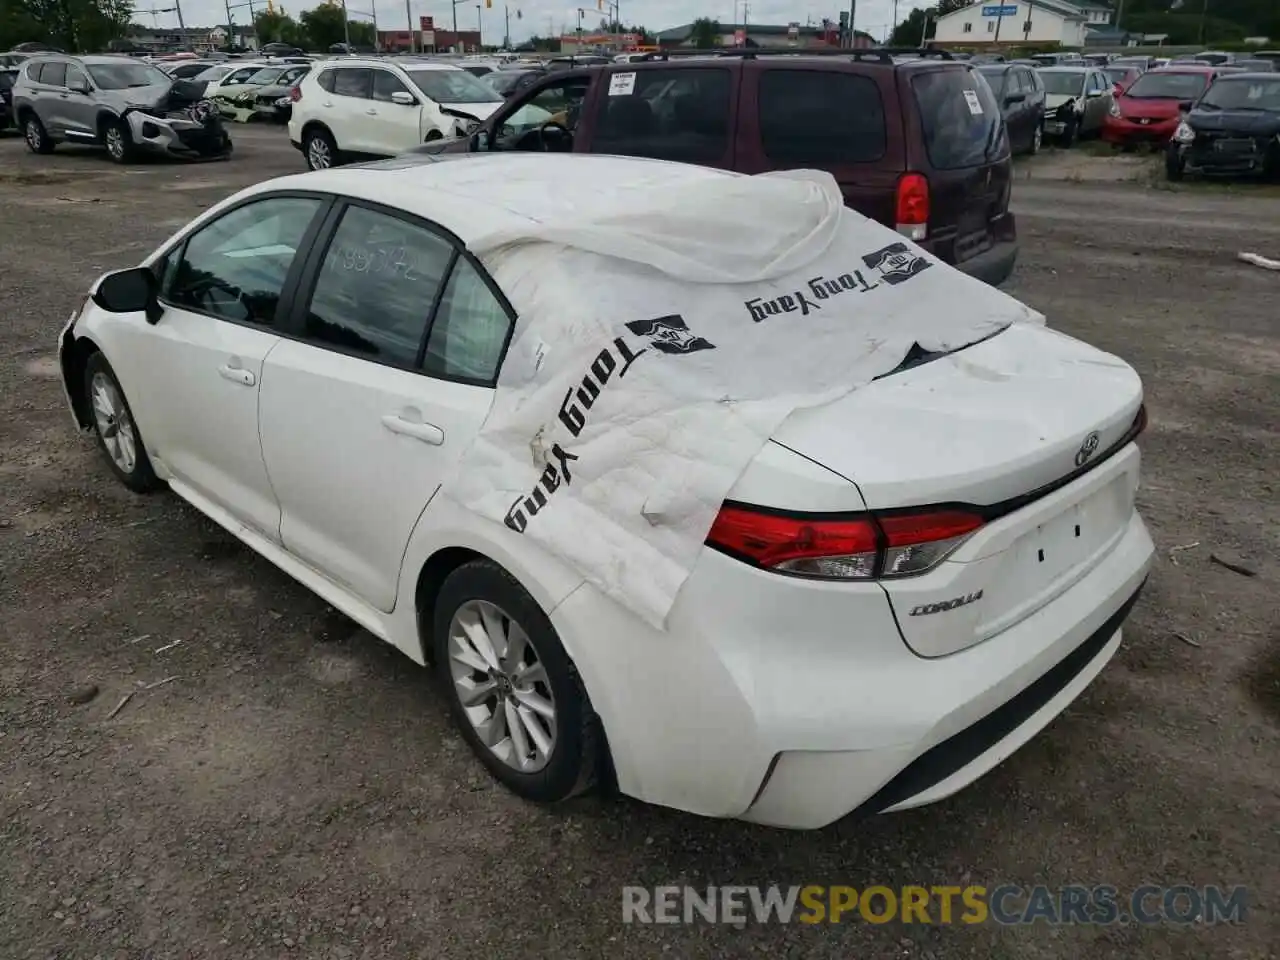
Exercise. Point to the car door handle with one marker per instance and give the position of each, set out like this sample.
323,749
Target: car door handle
371,112
426,432
236,375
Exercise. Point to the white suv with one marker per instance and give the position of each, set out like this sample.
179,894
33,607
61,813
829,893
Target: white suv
352,107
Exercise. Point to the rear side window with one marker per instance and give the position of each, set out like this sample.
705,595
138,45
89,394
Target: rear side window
666,114
54,74
820,117
325,80
959,119
353,83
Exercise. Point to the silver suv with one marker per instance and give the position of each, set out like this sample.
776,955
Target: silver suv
123,104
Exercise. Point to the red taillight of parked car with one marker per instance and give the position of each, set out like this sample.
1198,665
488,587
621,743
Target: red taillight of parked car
856,547
912,206
295,94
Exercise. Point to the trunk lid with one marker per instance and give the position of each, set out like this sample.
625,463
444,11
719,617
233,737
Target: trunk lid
1012,424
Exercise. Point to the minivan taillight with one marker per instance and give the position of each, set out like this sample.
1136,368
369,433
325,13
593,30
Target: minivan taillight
295,94
851,547
912,206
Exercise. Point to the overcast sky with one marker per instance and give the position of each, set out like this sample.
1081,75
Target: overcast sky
549,16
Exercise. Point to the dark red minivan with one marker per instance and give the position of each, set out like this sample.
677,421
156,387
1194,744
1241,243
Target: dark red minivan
917,144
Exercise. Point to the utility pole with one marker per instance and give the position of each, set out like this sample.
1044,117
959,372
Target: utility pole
346,26
1204,12
924,33
183,26
999,20
895,21
413,37
479,29
853,34
506,33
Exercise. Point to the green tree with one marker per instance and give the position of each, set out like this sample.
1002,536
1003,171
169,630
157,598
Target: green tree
323,27
950,6
705,34
909,32
74,25
278,27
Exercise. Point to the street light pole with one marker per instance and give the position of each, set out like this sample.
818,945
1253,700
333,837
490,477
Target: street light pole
346,26
479,28
408,16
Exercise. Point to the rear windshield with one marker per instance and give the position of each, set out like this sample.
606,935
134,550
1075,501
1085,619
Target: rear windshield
1168,86
960,120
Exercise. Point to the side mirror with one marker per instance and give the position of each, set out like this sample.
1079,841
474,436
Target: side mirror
134,290
1094,94
480,141
80,87
404,98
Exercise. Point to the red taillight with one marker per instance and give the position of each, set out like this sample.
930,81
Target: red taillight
295,94
911,207
860,547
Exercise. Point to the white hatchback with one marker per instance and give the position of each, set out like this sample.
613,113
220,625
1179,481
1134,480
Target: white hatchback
351,108
902,586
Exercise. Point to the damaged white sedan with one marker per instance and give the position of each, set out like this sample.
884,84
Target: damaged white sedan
697,483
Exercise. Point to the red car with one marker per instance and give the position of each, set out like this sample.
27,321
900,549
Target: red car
1149,109
1122,76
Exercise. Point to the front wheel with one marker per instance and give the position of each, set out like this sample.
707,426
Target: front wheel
513,691
114,427
119,142
1070,132
1037,139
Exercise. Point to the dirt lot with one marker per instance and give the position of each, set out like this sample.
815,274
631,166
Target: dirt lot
298,791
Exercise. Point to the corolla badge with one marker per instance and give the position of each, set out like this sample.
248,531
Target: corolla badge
1087,449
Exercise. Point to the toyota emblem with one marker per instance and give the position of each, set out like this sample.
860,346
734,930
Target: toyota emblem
1087,449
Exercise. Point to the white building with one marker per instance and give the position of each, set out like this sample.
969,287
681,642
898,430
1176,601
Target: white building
1021,22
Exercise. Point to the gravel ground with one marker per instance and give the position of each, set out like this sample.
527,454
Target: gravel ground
298,789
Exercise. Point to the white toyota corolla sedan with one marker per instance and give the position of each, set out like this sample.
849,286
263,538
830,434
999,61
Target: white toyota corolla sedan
695,482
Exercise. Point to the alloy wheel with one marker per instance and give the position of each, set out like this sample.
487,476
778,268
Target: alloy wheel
318,154
115,143
33,136
1036,139
113,422
502,685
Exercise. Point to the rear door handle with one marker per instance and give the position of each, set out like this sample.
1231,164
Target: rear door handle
426,432
236,375
371,112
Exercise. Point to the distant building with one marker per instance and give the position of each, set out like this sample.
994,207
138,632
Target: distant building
430,41
989,22
768,36
198,39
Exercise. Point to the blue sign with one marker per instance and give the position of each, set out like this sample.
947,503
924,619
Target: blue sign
1008,10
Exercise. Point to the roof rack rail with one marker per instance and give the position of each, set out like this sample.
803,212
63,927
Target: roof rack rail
751,53
921,52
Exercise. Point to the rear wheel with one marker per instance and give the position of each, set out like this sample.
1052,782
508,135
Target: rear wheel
1037,139
1070,131
513,691
320,150
37,138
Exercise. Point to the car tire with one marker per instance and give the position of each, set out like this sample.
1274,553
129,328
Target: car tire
36,136
118,140
319,149
115,429
1037,139
530,682
1069,133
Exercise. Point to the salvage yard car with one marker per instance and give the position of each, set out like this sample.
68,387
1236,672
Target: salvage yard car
117,102
1150,108
1233,129
918,145
260,96
1019,90
1077,100
915,545
360,108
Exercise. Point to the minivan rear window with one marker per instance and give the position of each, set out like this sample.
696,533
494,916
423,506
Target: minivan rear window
820,117
960,120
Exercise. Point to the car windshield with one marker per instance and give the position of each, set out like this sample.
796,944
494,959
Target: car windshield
119,76
1242,95
1069,83
995,77
267,75
963,126
1168,86
504,81
452,86
213,73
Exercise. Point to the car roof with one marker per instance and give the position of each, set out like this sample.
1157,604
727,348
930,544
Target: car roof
404,63
1069,68
474,195
1188,66
1260,75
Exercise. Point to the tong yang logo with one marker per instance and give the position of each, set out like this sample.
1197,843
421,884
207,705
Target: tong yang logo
896,263
670,334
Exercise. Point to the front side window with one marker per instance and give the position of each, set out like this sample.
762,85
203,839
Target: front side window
470,330
666,114
820,117
376,286
235,268
127,75
352,82
385,83
76,78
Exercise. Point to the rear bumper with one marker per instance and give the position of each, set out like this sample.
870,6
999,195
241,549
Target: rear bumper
998,251
993,267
